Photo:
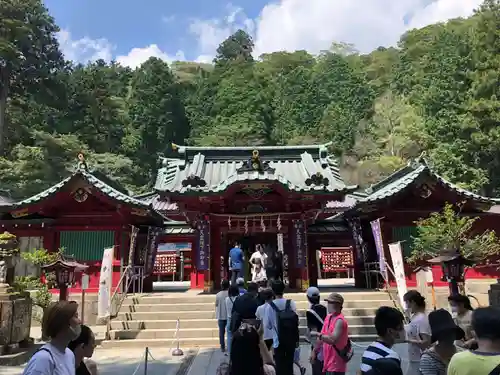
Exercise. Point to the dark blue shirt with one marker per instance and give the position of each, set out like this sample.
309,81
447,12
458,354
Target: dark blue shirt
236,255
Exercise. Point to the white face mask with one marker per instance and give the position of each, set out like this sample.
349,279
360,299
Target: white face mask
454,309
75,331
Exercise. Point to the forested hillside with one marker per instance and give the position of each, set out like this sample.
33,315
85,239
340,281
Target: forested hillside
438,92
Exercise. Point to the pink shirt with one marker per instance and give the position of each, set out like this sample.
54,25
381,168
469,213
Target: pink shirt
332,361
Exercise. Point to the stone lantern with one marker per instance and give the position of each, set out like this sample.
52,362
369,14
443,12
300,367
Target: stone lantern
65,270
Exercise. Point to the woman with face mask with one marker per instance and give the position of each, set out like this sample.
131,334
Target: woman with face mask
418,331
83,348
61,325
461,310
435,360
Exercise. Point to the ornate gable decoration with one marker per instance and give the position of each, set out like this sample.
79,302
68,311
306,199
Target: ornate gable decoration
317,179
255,164
194,181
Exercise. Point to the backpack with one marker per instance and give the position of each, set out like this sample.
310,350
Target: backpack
346,353
287,323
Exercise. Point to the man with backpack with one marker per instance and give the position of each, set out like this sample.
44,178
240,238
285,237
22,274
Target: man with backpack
285,326
315,317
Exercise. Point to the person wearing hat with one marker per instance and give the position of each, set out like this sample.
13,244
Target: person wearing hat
444,332
315,317
334,337
240,282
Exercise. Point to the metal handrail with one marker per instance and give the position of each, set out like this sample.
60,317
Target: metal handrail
114,311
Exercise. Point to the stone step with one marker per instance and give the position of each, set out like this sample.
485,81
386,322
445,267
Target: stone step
169,334
301,305
188,299
210,314
211,342
205,323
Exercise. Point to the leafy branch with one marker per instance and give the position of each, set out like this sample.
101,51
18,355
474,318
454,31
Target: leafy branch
448,231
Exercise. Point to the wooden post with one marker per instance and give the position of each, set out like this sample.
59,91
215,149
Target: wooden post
85,285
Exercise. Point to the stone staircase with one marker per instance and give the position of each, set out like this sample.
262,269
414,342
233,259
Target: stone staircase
150,320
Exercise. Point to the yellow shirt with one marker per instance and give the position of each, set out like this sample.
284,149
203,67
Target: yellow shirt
473,363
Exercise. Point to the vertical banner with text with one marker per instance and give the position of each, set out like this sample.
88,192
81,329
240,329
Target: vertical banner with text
299,240
203,248
151,249
399,270
379,245
105,280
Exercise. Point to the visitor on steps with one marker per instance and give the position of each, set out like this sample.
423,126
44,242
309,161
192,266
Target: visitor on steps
249,355
486,359
379,358
267,295
284,323
83,349
418,331
259,274
445,332
233,293
245,307
337,349
236,259
258,257
220,312
315,317
60,323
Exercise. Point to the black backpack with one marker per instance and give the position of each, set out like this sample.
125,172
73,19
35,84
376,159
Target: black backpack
287,322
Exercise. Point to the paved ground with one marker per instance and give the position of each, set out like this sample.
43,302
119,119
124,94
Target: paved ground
206,361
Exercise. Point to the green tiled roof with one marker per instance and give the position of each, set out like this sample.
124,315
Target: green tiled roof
213,169
407,176
92,180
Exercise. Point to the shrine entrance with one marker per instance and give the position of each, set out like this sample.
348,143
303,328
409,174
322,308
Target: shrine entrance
248,243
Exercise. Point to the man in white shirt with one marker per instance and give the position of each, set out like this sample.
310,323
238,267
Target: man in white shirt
221,312
261,314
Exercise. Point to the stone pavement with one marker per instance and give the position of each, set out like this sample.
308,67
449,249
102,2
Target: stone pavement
206,361
129,362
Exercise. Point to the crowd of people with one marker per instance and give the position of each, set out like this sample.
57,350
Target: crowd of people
69,347
262,328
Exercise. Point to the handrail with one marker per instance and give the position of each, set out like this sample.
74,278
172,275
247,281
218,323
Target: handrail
114,311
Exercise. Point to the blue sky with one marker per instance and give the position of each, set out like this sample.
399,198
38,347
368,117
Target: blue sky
129,31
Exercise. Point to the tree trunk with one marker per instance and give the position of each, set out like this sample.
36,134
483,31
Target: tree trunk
4,91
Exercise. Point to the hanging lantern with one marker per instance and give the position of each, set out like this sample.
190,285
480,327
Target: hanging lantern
246,225
278,223
262,224
280,242
229,222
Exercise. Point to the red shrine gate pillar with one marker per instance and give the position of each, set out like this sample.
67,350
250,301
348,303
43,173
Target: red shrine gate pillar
298,259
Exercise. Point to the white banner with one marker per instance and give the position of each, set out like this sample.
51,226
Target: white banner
105,281
399,270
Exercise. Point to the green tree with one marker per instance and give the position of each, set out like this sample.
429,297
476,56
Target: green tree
29,52
157,116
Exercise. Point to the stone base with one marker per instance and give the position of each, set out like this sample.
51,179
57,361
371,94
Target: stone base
494,294
15,320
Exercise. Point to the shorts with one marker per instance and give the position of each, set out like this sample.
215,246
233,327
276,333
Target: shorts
296,355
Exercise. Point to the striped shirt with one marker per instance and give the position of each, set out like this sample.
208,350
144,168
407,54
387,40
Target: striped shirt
374,351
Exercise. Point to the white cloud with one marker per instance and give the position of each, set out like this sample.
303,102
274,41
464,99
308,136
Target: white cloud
313,25
84,49
137,56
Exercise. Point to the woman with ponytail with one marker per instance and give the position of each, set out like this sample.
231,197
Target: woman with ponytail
461,310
